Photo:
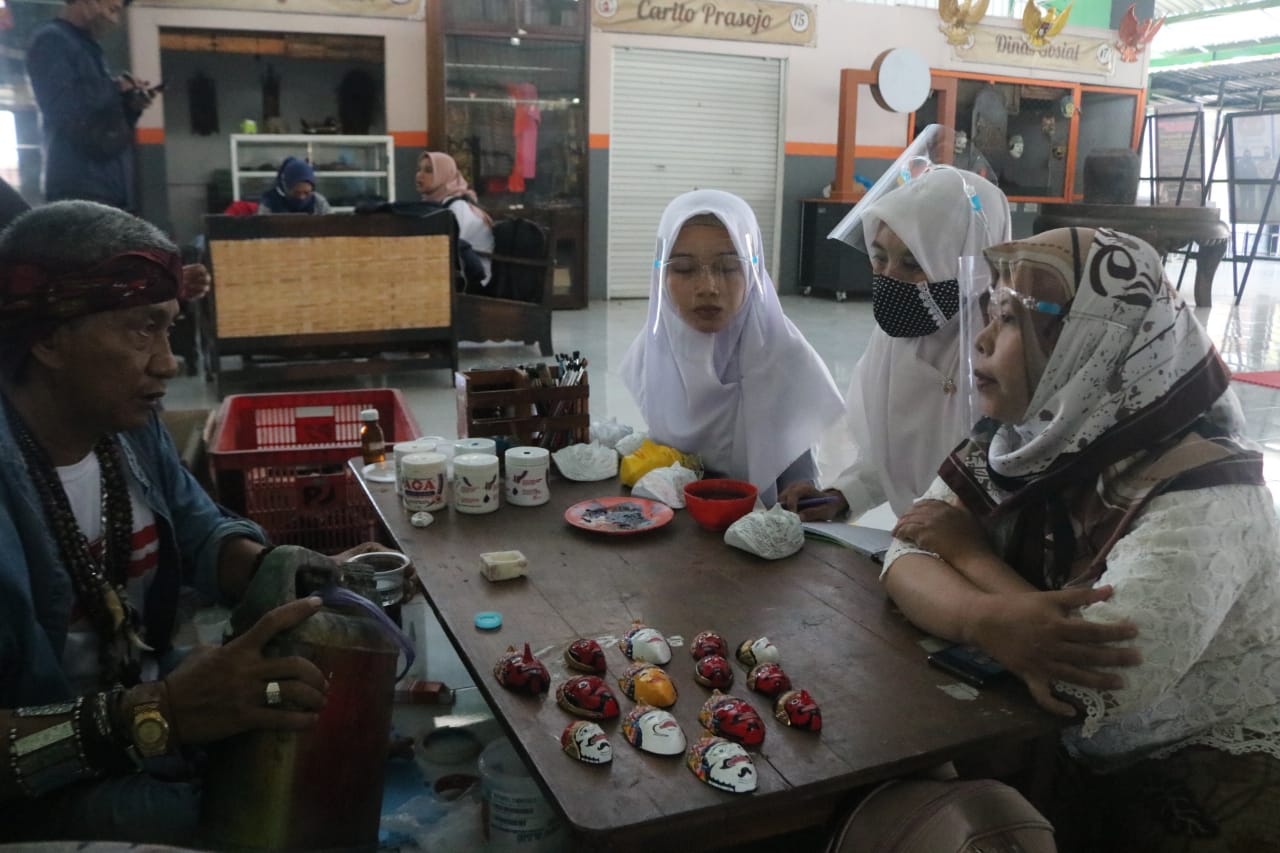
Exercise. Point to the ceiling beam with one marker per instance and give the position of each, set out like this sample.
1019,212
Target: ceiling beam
1220,53
1233,9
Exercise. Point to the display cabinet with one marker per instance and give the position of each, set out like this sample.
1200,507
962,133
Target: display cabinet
507,98
1031,137
349,169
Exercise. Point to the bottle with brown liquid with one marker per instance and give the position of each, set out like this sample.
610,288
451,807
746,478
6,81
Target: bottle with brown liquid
373,446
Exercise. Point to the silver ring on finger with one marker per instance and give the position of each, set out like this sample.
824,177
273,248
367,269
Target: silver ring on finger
273,693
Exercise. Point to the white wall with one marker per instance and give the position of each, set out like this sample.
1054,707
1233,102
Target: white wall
849,35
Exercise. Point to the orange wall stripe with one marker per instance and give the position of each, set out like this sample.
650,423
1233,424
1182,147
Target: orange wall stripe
825,149
149,135
598,140
409,138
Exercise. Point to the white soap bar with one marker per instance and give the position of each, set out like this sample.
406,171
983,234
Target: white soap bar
503,565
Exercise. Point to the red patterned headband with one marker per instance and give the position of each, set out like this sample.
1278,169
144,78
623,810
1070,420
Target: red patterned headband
33,298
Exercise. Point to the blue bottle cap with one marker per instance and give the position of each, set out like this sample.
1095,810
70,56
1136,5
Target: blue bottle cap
488,620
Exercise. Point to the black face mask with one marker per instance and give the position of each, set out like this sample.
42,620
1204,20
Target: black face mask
906,310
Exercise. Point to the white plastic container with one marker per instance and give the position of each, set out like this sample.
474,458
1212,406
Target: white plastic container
519,818
425,481
403,449
527,469
475,483
475,445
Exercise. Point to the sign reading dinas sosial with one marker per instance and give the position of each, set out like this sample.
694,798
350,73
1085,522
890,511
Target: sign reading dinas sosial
408,9
738,20
1006,46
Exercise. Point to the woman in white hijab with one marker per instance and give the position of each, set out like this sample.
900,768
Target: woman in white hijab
718,369
906,406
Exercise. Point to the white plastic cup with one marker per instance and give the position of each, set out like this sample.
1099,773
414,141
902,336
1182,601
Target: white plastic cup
475,483
527,469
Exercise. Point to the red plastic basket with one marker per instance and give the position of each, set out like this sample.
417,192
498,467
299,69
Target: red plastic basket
281,460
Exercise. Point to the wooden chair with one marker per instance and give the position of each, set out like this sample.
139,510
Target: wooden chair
479,316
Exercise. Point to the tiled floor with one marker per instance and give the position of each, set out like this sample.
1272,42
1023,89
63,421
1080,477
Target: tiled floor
1248,336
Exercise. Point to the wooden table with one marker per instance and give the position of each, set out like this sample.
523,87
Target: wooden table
884,713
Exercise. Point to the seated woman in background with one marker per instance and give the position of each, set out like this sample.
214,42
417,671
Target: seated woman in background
294,190
906,406
439,180
718,369
1107,536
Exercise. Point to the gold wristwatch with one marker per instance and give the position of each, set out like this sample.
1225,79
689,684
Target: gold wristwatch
149,730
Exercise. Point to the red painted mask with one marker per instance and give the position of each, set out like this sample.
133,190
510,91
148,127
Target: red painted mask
587,696
522,672
797,709
769,679
713,671
708,643
585,656
732,718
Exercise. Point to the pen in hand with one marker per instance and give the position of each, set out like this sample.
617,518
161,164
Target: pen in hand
805,503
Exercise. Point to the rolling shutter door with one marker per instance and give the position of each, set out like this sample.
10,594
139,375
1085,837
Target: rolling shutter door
684,121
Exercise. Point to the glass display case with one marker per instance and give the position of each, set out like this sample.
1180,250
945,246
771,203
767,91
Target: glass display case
1031,137
349,169
508,100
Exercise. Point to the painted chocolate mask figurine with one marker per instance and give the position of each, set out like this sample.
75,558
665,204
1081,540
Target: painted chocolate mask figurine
962,141
653,730
1016,146
643,643
586,741
761,650
521,672
708,643
722,764
713,671
585,656
797,709
731,717
769,679
587,696
648,685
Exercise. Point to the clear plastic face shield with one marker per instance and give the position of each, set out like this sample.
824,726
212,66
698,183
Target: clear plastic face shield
708,267
1007,336
933,147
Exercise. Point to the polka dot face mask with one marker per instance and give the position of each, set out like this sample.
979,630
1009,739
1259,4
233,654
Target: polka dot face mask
908,310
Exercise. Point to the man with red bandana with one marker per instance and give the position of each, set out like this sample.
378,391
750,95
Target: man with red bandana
100,525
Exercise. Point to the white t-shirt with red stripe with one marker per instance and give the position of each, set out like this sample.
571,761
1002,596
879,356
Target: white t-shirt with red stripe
82,482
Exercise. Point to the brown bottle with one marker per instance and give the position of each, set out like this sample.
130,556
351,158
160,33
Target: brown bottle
373,446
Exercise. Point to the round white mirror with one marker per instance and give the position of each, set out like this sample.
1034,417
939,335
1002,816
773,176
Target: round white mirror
902,80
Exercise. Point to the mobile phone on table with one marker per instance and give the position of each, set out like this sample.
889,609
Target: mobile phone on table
969,663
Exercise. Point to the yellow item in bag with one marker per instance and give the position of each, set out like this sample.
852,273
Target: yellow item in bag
651,455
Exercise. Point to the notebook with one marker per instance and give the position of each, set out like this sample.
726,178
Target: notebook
869,541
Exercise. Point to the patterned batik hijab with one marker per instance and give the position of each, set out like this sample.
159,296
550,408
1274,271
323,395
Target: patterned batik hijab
1130,401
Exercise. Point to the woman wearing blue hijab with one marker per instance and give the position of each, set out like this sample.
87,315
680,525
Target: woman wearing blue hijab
294,190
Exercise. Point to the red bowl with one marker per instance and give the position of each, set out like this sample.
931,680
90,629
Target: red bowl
716,504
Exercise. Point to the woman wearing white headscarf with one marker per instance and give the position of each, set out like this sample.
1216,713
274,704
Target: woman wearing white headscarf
905,409
718,369
1108,536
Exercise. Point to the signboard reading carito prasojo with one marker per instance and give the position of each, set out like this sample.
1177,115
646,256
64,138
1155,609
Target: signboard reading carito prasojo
740,20
408,9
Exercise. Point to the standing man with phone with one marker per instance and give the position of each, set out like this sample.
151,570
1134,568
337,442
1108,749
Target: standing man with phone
88,115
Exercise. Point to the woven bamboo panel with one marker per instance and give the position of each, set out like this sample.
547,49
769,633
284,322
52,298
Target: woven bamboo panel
317,285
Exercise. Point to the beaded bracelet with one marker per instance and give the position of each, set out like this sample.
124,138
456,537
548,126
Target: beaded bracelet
50,758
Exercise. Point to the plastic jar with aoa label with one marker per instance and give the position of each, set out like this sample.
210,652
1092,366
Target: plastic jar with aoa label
425,486
527,469
475,483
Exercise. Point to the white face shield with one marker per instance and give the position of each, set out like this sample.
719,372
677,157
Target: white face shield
743,267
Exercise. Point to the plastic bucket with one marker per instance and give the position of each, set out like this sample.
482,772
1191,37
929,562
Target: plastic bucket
515,816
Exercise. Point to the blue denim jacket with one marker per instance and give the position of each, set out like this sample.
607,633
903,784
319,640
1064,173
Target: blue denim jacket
36,594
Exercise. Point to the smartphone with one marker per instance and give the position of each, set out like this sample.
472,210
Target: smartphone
969,663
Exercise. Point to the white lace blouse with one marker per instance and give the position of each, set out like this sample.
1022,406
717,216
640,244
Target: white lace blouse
1199,574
